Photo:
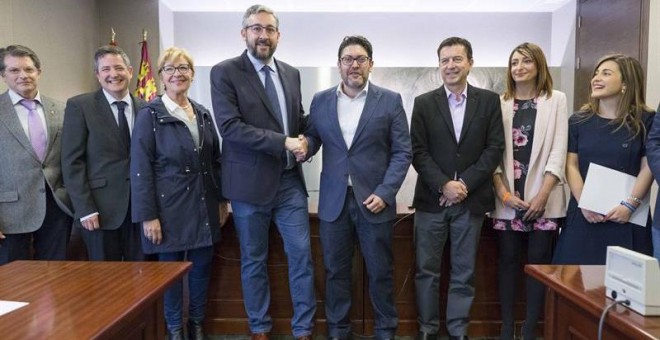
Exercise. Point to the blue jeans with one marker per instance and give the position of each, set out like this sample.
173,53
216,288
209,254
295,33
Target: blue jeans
289,211
198,285
338,240
656,243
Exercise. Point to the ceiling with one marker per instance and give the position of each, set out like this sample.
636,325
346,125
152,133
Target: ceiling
507,6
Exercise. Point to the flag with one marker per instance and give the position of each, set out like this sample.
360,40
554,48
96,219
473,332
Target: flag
146,85
112,37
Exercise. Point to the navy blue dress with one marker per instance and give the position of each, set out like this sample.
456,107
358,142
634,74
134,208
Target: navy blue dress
596,141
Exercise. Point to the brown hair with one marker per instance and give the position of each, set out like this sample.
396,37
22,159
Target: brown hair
543,77
632,102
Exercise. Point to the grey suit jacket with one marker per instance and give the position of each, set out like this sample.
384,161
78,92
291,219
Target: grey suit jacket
23,177
95,161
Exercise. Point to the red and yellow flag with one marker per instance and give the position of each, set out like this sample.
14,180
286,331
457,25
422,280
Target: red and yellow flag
146,85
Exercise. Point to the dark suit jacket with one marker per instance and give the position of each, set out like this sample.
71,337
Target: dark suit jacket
23,177
95,160
252,137
653,158
437,156
377,160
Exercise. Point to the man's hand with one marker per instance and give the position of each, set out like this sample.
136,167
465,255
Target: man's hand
301,153
297,146
454,191
2,236
374,203
91,223
224,213
152,231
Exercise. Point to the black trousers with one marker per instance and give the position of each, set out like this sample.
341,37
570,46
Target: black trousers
539,251
121,244
49,242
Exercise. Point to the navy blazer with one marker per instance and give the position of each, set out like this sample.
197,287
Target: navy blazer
438,158
252,138
377,160
653,158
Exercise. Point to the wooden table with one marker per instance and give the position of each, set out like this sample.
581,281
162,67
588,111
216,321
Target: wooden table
86,300
575,300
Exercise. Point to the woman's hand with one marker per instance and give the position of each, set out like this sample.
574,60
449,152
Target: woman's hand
516,203
224,213
152,231
593,217
536,207
619,214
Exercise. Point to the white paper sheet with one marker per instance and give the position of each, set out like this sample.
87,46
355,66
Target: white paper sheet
605,188
8,306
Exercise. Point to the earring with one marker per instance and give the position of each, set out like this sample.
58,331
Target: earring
623,90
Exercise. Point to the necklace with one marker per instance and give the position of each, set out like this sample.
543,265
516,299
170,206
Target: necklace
186,106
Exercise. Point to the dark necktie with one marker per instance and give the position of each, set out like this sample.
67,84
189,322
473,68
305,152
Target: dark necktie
272,94
122,122
275,102
36,130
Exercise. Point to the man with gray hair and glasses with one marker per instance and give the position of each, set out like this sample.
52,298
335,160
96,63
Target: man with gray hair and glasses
258,109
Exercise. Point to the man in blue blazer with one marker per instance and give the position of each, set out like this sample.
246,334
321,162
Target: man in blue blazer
95,160
366,155
34,205
458,141
653,156
258,109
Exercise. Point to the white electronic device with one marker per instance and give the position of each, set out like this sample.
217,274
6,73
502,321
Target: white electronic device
635,277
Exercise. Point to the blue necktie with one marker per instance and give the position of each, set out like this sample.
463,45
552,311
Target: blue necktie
275,103
272,94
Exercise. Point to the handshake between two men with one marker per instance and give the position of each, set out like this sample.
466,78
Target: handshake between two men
297,146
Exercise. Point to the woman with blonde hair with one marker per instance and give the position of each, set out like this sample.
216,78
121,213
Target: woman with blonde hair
529,182
175,187
611,131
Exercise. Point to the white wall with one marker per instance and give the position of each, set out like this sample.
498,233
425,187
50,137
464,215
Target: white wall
399,39
562,52
46,28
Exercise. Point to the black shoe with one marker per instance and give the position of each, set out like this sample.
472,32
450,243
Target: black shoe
195,330
176,334
426,336
458,337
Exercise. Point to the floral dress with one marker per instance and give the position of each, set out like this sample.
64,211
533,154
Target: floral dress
524,117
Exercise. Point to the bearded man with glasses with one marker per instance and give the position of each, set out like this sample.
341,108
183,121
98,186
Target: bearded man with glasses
257,104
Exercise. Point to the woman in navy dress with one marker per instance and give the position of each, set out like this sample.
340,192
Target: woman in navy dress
609,131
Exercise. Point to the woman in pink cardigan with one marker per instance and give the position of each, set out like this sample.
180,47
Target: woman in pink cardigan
529,184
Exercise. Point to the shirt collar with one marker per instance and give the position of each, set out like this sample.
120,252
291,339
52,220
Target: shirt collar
340,91
112,100
463,93
16,98
170,105
258,64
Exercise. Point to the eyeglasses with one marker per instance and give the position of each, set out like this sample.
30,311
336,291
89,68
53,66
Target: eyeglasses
183,69
347,60
258,29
